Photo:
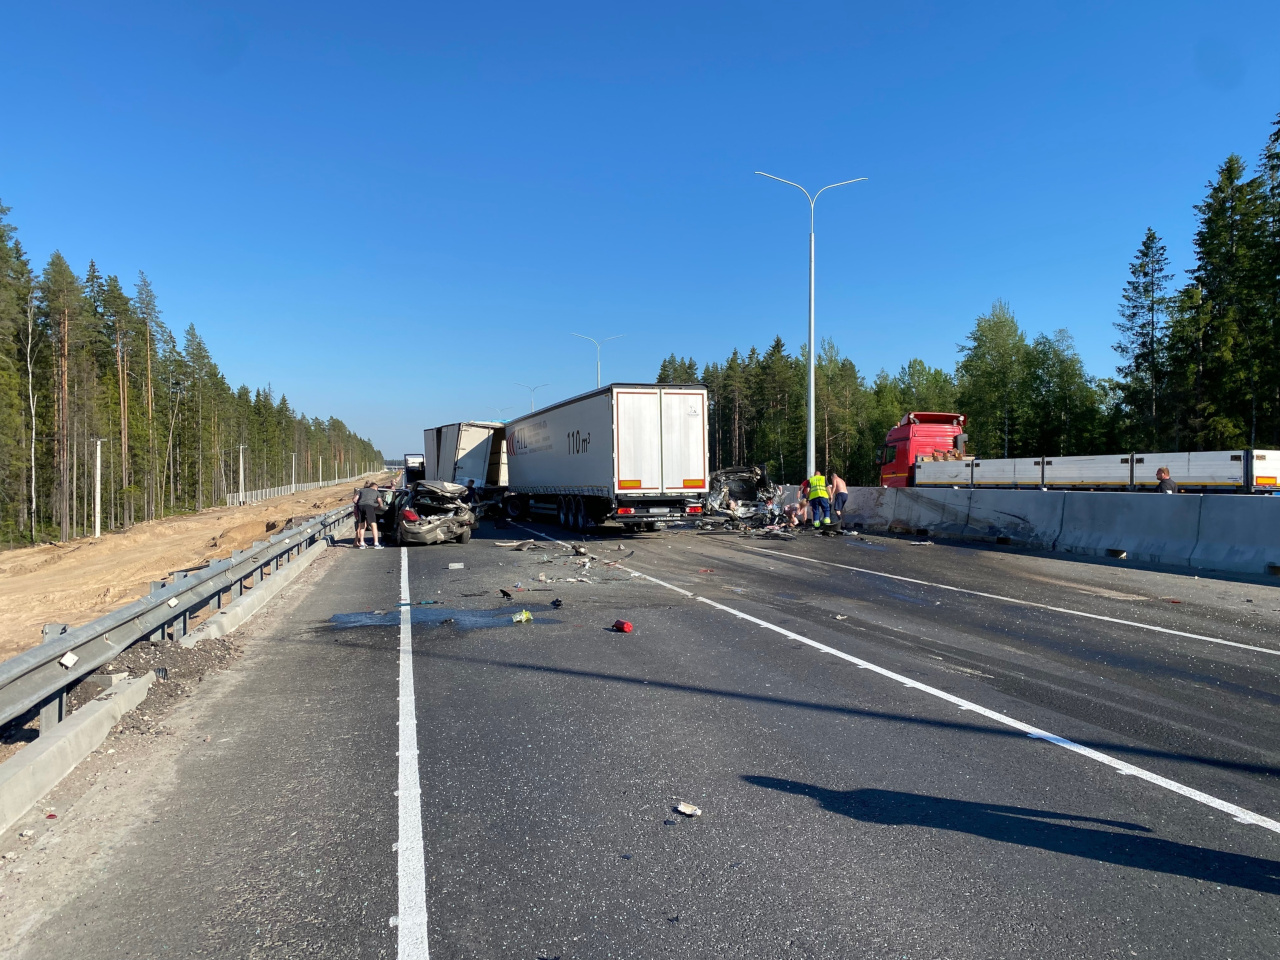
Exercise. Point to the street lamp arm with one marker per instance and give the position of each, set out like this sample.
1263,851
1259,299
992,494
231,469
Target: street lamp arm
592,339
840,184
761,173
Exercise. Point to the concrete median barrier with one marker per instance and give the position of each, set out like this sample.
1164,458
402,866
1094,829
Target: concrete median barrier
870,508
1149,527
1030,518
1237,534
935,513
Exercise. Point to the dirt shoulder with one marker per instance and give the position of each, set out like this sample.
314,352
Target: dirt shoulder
76,582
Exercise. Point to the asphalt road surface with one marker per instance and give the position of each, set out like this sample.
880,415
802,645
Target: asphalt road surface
900,750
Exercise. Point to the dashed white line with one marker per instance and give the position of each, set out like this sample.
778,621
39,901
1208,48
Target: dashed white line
1026,603
1240,814
411,923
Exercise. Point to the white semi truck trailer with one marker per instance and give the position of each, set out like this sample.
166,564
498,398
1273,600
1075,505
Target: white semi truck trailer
472,450
631,452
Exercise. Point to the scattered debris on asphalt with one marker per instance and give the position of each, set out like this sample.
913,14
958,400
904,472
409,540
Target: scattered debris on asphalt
557,603
841,616
506,593
688,809
524,616
580,550
706,570
622,626
457,566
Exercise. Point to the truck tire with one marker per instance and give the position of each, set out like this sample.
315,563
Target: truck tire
579,515
516,507
465,535
561,515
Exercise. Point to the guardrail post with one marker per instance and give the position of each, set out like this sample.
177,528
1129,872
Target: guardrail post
53,711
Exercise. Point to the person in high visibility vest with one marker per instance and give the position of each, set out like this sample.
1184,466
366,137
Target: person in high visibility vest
819,504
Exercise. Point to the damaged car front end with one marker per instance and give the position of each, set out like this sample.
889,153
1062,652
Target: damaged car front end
743,496
433,511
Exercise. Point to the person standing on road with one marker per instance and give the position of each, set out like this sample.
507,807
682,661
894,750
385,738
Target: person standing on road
1167,484
819,505
366,503
839,494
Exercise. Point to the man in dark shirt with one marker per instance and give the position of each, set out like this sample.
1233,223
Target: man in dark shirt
1166,484
366,503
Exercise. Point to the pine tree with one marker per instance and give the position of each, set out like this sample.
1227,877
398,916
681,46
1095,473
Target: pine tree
1143,330
992,379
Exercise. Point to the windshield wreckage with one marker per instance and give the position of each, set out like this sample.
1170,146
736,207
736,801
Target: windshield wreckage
743,495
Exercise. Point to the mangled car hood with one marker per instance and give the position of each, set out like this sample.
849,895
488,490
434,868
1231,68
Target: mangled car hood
442,487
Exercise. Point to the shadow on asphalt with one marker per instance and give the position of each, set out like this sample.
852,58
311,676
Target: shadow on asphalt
650,684
1042,829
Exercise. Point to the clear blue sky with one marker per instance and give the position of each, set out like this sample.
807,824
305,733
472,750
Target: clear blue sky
391,212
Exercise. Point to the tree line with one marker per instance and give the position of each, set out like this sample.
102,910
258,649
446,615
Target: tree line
83,363
1199,363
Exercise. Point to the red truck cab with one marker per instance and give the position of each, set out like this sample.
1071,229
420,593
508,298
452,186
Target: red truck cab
918,434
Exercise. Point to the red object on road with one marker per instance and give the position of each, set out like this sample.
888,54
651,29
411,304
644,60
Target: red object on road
622,626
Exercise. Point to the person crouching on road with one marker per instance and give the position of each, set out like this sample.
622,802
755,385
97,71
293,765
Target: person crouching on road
839,494
366,503
819,505
1167,484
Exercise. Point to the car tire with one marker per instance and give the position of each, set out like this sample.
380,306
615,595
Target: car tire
465,535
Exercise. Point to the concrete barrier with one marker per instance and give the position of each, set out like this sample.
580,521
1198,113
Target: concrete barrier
1030,518
870,508
1150,527
934,513
1238,534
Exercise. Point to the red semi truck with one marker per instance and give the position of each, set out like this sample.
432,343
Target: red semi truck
927,450
917,435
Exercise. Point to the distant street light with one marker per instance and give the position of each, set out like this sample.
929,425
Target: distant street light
811,459
532,391
597,343
499,411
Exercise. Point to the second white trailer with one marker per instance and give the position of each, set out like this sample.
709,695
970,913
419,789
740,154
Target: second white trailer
636,453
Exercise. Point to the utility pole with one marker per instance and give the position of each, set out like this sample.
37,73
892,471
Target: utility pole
97,489
811,460
242,446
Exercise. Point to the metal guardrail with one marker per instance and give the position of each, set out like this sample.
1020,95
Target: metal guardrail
41,676
256,496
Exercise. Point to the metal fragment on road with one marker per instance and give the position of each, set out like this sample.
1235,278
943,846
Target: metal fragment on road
457,566
842,616
688,809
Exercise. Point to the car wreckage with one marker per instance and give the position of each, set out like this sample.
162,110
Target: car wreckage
433,511
743,496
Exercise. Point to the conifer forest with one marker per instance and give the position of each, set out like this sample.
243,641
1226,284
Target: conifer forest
84,360
1198,363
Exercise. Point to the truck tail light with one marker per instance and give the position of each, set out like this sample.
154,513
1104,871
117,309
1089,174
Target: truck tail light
411,516
626,511
693,509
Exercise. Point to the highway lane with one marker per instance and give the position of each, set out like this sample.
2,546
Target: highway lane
845,814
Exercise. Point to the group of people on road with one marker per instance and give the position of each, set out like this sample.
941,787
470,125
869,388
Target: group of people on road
821,501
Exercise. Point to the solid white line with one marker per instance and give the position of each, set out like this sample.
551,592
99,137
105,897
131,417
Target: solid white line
1240,814
411,923
1025,603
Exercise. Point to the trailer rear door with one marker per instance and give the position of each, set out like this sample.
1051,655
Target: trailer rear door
684,441
637,440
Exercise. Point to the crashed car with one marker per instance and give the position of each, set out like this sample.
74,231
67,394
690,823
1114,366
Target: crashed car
743,495
433,511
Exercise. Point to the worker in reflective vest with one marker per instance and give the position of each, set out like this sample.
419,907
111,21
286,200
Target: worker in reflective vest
819,505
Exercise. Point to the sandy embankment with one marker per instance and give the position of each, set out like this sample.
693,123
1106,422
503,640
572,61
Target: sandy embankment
78,581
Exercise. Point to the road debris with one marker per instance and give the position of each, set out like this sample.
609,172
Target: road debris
920,543
706,570
688,809
524,616
842,616
622,626
506,593
557,603
457,566
580,550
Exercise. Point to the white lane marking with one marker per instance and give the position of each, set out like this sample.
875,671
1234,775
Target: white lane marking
1025,603
1240,814
411,923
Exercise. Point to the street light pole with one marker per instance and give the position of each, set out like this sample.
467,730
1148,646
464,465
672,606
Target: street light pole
811,459
97,489
597,343
293,474
533,390
242,446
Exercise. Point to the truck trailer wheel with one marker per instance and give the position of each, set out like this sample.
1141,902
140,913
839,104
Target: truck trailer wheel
579,515
516,507
561,512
